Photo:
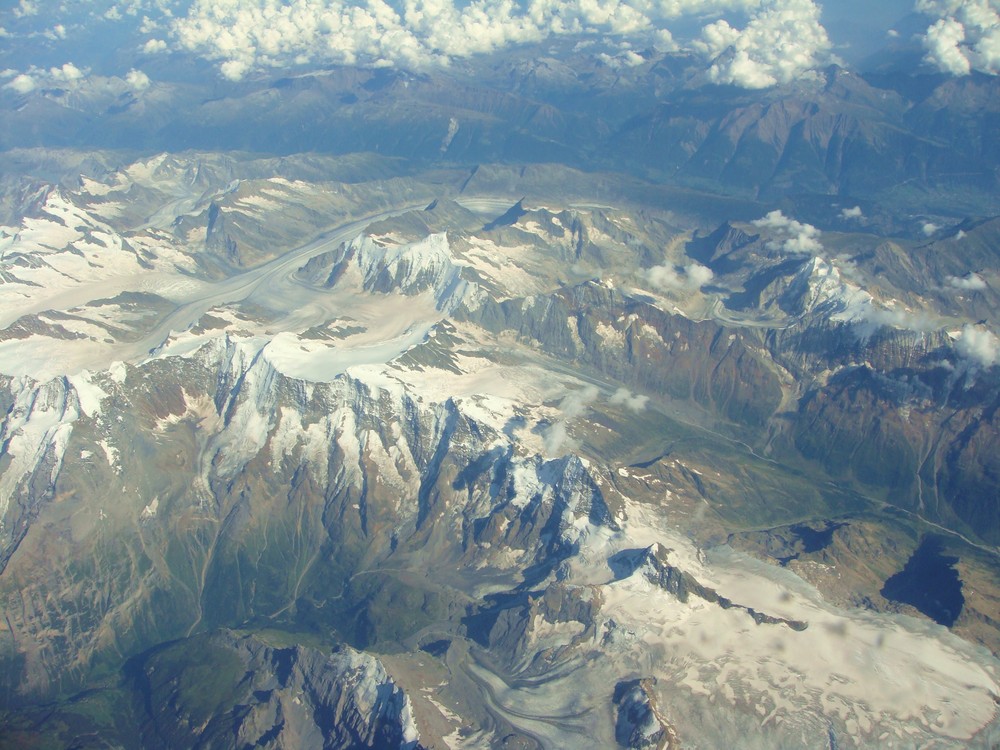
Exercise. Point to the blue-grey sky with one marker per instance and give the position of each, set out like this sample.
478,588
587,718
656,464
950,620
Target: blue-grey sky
859,27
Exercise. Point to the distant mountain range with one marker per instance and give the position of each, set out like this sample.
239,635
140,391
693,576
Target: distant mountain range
913,145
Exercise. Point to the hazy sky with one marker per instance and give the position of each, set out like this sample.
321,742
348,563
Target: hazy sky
749,43
859,27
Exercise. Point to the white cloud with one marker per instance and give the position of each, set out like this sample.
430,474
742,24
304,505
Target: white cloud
894,317
26,8
22,84
137,80
971,281
154,46
690,277
965,36
788,234
782,40
234,70
929,228
576,403
133,8
632,401
68,74
852,213
943,42
625,59
979,345
556,436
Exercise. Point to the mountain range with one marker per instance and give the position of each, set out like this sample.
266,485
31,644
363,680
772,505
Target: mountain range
539,401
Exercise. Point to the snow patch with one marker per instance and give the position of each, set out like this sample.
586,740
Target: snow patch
149,512
35,434
90,394
110,454
869,671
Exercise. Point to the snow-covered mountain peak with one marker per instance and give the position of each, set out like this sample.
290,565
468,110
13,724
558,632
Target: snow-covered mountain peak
819,288
410,267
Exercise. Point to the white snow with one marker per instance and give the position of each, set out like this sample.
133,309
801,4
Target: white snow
825,288
111,454
38,426
118,372
506,269
251,409
527,484
322,361
90,394
256,202
874,672
611,336
149,512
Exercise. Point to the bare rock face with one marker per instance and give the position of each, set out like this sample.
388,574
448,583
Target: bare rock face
638,723
215,690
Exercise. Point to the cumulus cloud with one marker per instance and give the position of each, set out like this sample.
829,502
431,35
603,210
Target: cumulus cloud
788,234
979,345
632,401
67,74
971,281
153,46
22,84
625,59
852,213
234,70
894,317
137,80
26,8
148,25
866,316
782,41
929,228
965,36
943,42
134,7
676,278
